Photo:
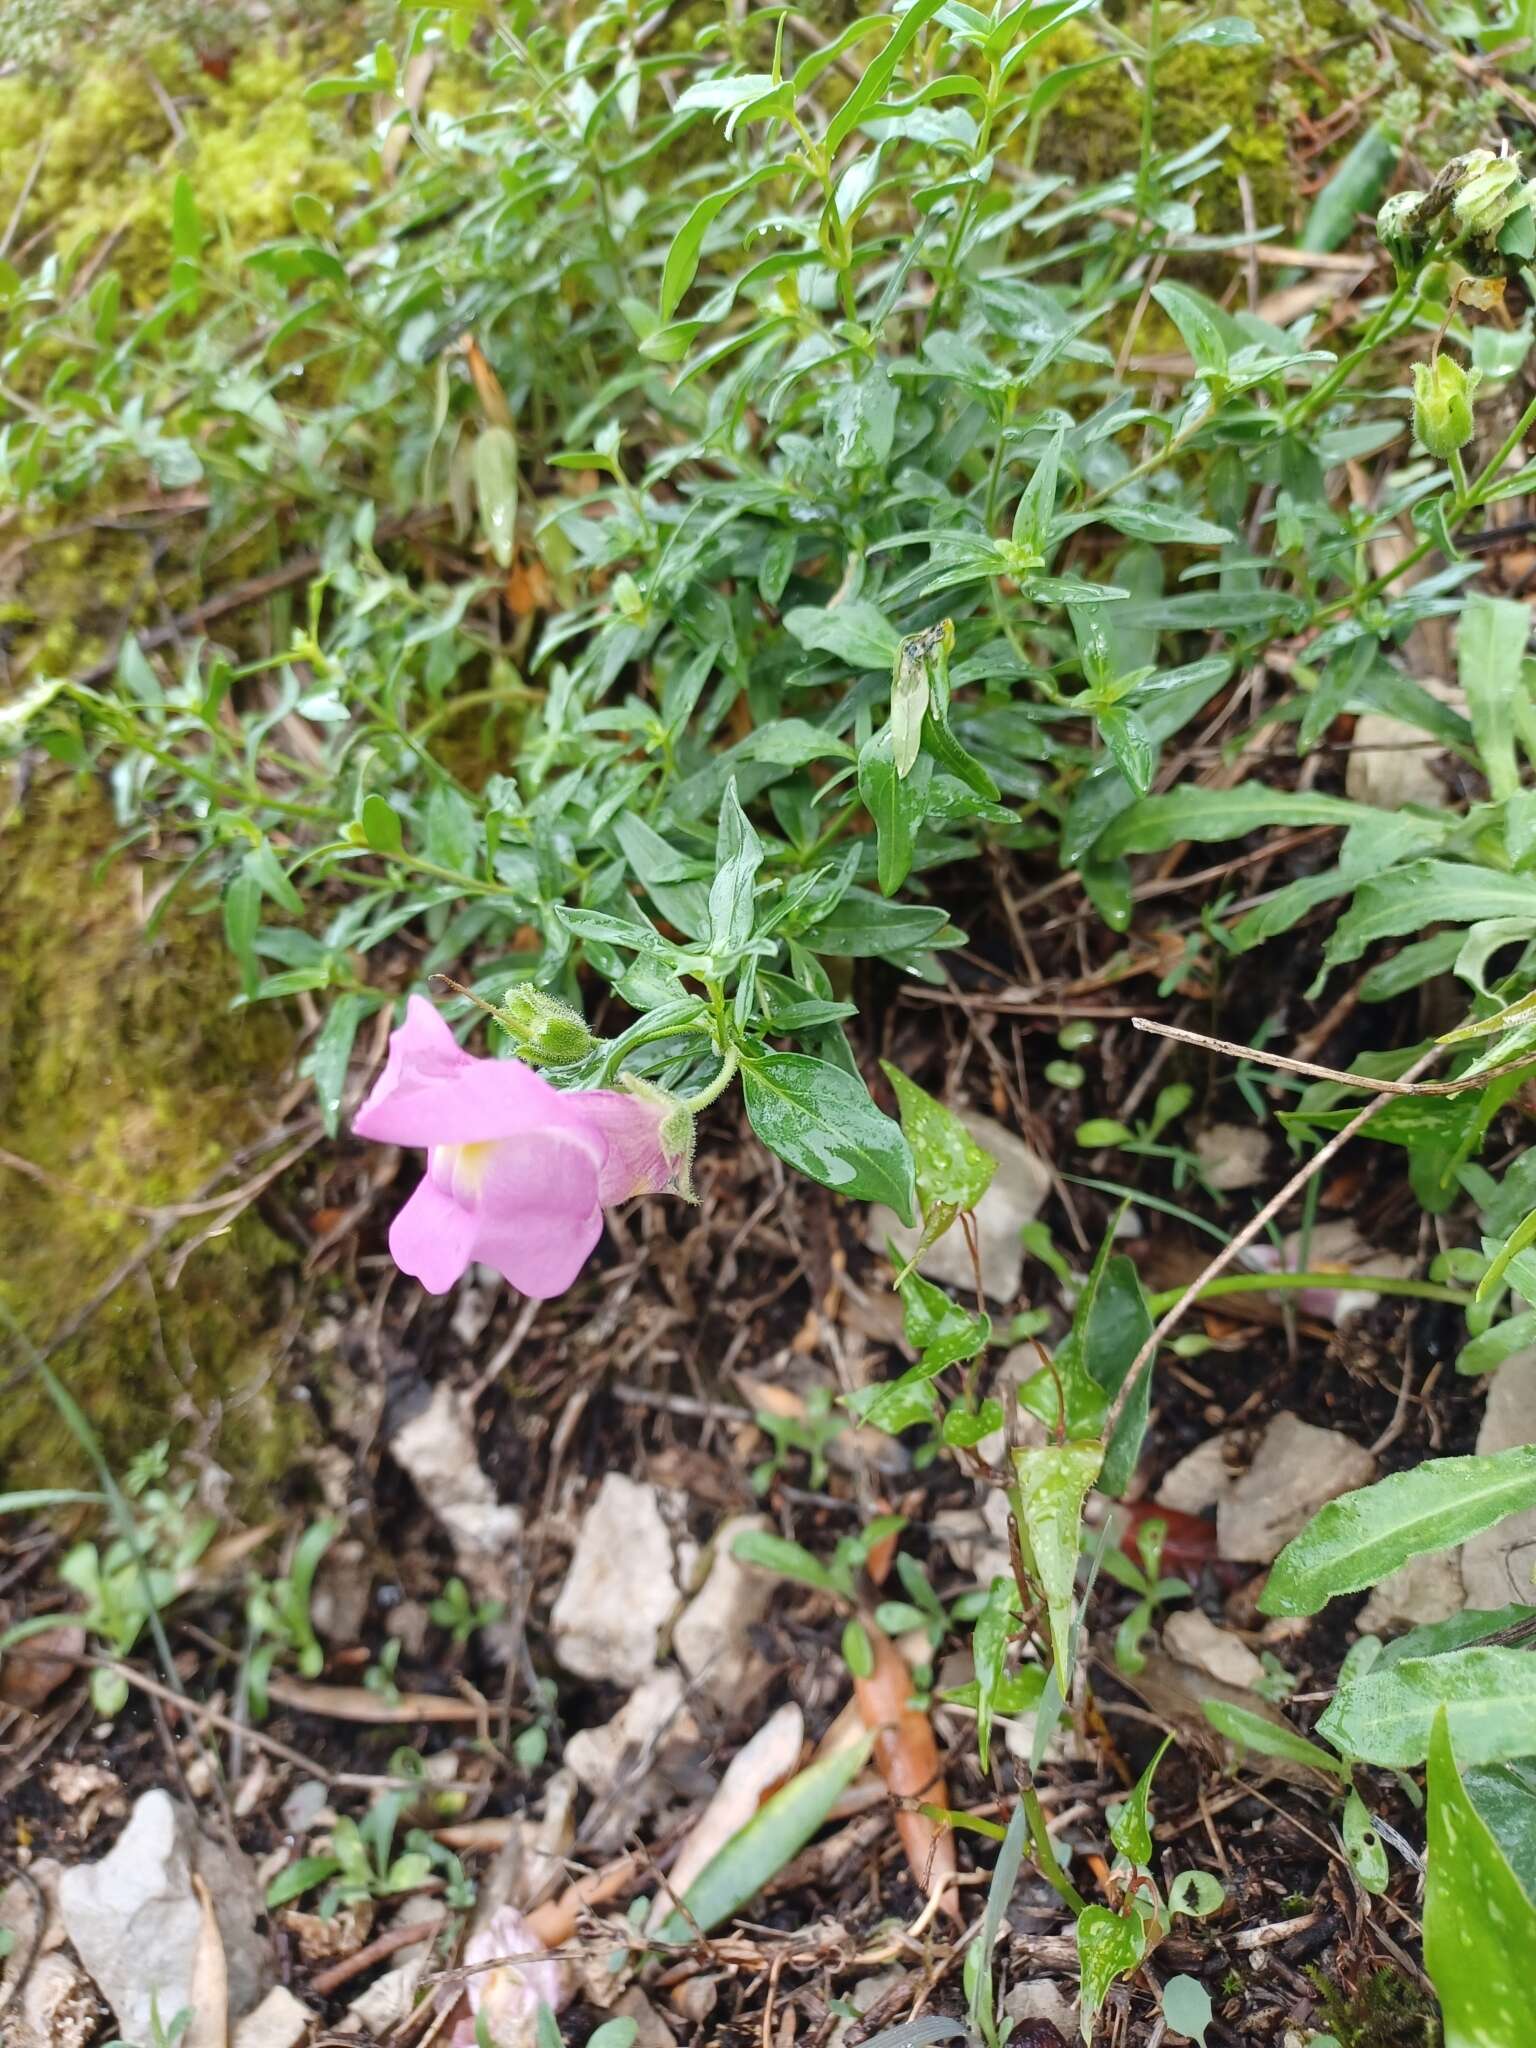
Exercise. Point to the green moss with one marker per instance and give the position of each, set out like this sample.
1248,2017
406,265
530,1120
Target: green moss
107,155
124,1073
1385,2012
1094,131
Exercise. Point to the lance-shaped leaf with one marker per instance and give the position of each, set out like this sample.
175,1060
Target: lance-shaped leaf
1356,1540
779,1830
1488,1695
1479,1925
1052,1482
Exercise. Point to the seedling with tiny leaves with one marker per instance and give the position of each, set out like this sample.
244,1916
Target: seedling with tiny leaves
125,1583
793,1436
1145,1580
1144,1140
455,1610
277,1613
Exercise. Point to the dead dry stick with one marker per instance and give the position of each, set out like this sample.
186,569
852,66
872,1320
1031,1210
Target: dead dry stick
1250,1230
1405,1086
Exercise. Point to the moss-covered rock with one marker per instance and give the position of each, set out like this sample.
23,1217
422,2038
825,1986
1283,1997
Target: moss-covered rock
125,1076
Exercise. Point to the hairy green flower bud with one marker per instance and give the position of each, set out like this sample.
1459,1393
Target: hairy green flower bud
1400,229
1442,405
549,1033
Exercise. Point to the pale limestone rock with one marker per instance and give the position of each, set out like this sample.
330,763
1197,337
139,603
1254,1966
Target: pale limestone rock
598,1755
1423,1590
436,1450
1195,1640
1199,1480
620,1591
1296,1468
1499,1565
280,2021
1388,765
1232,1156
711,1635
134,1918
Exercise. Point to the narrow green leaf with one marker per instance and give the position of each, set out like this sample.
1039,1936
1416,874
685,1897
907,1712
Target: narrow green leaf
1491,637
778,1831
897,803
682,262
1052,1482
1268,1738
328,1058
1356,1540
777,1554
1130,1829
989,1652
738,856
867,92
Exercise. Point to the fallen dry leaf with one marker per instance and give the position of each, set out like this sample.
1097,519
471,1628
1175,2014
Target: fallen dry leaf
35,1669
908,1759
757,1769
208,1990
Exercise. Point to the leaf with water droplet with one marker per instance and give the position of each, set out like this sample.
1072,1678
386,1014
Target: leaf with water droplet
951,1167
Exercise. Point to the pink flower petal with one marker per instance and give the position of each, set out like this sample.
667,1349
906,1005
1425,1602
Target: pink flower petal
432,1092
636,1162
433,1238
539,1211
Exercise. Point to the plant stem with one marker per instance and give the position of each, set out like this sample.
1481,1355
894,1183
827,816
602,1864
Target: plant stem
1267,1283
706,1095
1045,1853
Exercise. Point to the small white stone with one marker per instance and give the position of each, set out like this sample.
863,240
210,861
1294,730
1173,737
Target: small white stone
1388,765
1017,1195
1195,1640
598,1755
280,2021
1232,1156
135,1921
1423,1590
436,1449
711,1636
1296,1468
1497,1566
620,1591
1198,1480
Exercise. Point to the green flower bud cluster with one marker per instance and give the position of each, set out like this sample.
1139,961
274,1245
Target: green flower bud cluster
1481,205
548,1033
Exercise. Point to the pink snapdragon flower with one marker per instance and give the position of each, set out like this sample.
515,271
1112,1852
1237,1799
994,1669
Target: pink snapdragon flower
508,1997
518,1171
